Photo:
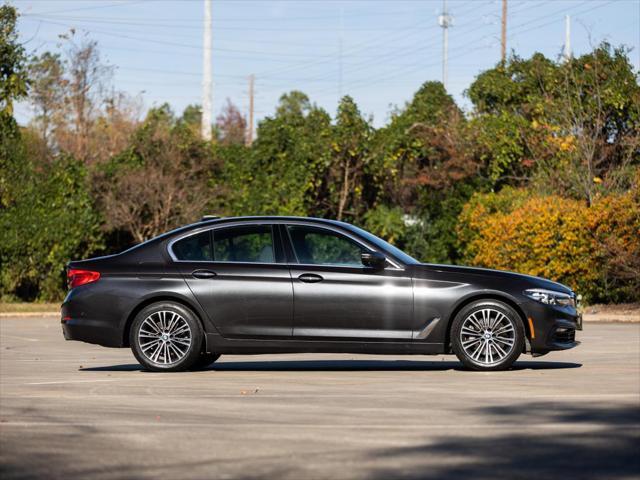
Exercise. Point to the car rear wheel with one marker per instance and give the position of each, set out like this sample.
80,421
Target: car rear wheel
487,335
166,337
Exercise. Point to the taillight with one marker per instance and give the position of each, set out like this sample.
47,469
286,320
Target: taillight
75,277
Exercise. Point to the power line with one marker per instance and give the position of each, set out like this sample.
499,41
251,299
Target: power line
466,50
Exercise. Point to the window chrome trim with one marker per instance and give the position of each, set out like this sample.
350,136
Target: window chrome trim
272,223
212,229
349,236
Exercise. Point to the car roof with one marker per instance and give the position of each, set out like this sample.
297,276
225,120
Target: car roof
265,217
279,218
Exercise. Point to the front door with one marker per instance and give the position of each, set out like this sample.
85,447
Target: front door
336,296
238,276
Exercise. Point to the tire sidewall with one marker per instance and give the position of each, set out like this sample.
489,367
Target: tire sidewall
507,310
196,337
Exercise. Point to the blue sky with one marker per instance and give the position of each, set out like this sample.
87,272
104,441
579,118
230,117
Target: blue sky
389,48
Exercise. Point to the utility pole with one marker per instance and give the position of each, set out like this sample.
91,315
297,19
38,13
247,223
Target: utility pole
445,21
250,126
567,38
340,40
207,83
503,40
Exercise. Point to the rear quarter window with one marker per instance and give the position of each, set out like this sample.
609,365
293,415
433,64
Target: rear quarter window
195,248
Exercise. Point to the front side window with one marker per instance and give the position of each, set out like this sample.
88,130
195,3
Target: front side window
195,248
318,246
250,243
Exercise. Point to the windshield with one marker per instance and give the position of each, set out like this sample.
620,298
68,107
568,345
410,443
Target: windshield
383,245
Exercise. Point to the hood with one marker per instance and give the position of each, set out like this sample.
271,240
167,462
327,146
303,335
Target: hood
529,280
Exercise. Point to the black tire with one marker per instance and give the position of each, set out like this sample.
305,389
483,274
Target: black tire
160,315
204,360
484,338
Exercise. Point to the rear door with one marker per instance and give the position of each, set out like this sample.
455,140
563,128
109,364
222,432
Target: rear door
239,277
336,296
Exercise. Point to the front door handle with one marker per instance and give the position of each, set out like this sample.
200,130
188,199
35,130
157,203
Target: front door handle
203,274
310,278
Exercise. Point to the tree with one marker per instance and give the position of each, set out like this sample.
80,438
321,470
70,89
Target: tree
350,150
51,221
287,164
159,182
404,148
47,92
231,125
86,90
13,86
571,126
13,69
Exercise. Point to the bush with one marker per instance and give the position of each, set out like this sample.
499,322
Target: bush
592,249
50,221
614,225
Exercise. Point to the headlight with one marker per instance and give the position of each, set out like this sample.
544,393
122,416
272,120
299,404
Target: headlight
551,297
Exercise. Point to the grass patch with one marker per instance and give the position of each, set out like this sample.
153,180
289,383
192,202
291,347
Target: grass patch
28,307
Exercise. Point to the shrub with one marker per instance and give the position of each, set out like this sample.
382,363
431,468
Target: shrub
614,225
50,221
594,250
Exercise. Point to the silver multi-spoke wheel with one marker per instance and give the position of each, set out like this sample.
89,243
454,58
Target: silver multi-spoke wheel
487,336
164,337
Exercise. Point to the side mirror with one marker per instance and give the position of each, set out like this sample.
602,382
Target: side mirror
373,260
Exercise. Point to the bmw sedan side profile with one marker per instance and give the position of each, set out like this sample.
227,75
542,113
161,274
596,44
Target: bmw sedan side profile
251,285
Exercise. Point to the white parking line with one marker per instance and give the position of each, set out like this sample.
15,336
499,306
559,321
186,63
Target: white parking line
19,338
72,381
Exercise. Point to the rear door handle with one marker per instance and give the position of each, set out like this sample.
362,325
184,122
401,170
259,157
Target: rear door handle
203,274
310,278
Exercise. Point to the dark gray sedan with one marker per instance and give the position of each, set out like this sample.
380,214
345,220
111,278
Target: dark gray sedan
289,285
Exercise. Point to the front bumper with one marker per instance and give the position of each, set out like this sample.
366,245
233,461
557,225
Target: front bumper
551,327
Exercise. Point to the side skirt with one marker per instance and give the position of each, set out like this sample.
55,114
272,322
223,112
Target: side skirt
219,344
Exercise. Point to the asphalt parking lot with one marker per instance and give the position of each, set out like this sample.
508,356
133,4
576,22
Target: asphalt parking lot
72,410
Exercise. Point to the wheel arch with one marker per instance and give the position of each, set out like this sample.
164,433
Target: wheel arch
487,296
156,299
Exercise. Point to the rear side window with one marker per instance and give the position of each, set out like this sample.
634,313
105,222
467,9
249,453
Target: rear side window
251,243
196,248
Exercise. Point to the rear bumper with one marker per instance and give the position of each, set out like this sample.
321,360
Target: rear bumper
80,321
91,332
551,327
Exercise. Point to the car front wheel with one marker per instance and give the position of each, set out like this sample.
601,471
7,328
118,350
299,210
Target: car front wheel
166,337
487,335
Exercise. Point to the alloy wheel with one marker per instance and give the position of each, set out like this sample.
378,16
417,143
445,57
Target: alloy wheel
164,337
487,336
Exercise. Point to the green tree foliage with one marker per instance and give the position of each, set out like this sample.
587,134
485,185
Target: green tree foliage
350,139
571,126
13,86
401,151
13,75
285,168
88,176
50,221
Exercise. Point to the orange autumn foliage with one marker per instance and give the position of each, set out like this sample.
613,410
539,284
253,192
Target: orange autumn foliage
595,250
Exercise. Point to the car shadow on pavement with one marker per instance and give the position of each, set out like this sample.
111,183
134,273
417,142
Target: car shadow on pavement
341,365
